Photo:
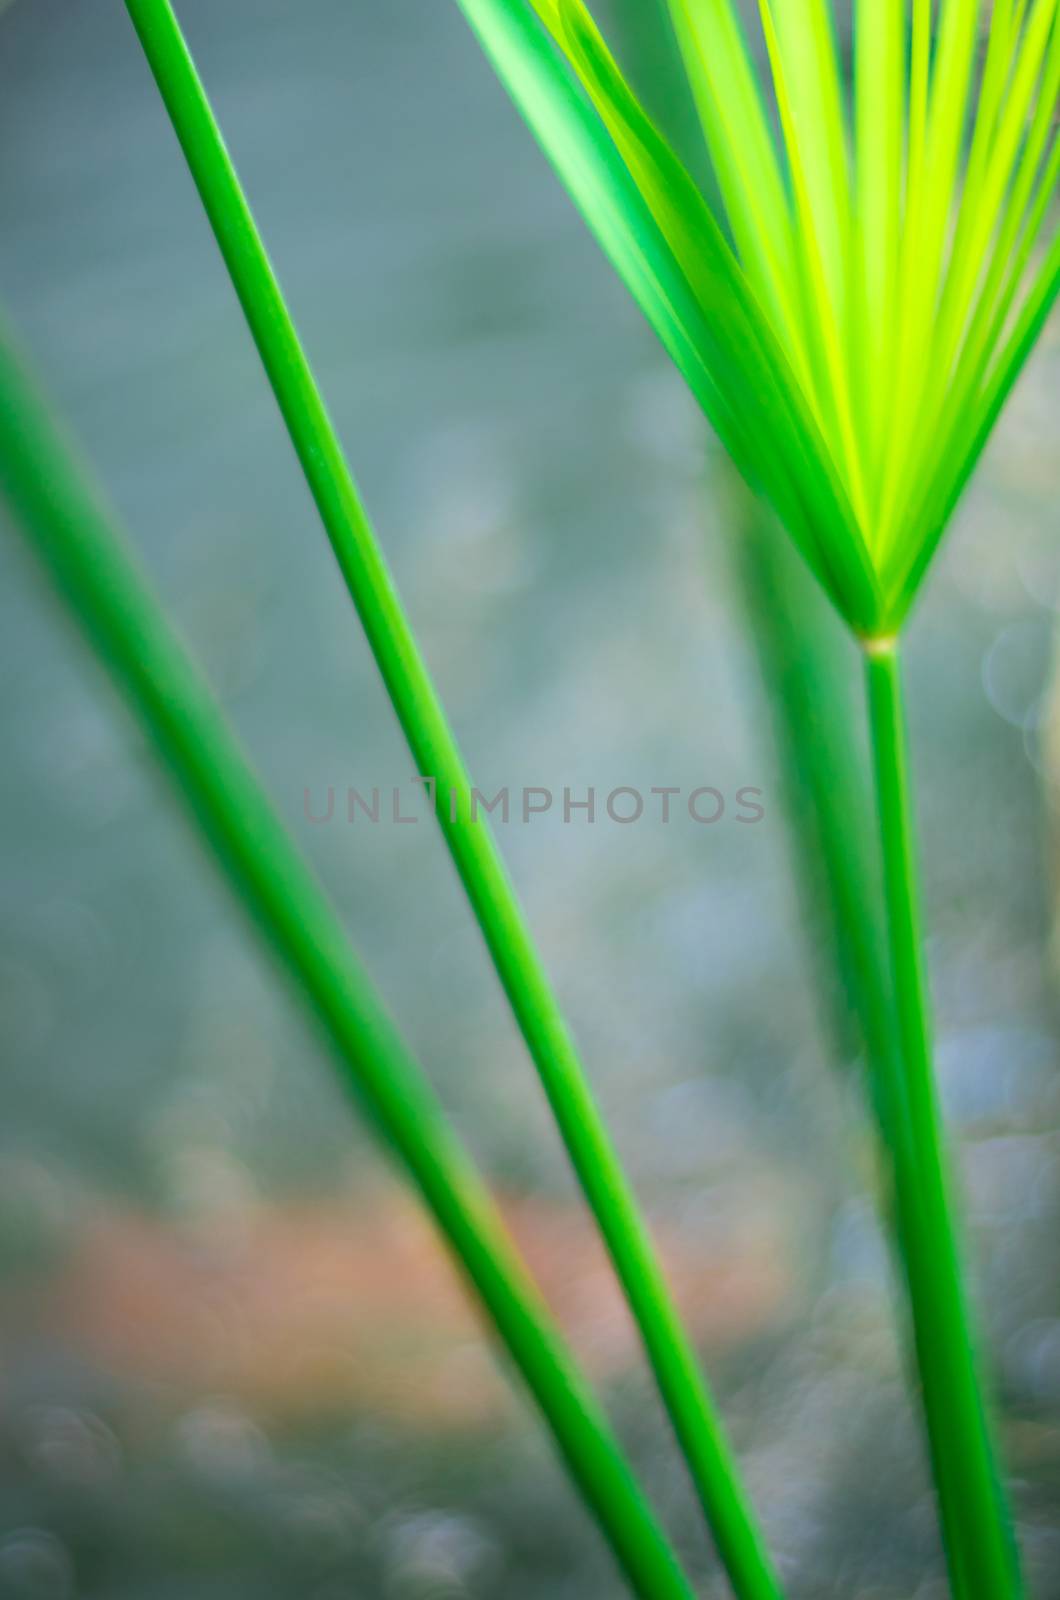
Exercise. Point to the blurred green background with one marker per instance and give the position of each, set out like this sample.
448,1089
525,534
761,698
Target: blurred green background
234,1360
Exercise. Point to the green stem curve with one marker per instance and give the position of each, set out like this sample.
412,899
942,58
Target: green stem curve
976,1523
470,841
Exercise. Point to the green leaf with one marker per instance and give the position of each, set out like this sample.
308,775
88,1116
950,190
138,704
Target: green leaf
851,341
728,97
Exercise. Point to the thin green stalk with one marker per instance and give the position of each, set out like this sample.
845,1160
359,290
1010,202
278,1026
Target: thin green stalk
71,532
976,1523
471,843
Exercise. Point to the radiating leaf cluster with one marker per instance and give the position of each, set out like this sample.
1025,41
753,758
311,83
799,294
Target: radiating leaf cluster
852,309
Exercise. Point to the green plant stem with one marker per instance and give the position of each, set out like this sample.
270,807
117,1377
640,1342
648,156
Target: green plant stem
471,843
976,1524
71,532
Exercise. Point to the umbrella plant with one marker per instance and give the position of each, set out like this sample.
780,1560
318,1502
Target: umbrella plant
854,301
850,302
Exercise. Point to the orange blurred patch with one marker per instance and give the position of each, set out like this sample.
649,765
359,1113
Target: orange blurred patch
352,1303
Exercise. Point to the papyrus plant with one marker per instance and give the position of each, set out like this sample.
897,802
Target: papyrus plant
855,300
850,302
860,439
